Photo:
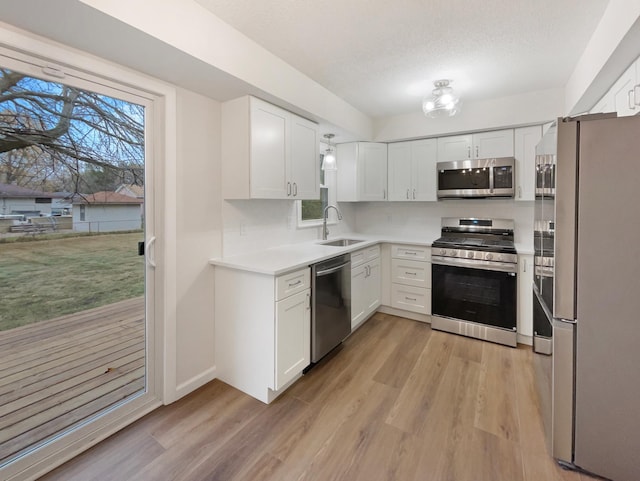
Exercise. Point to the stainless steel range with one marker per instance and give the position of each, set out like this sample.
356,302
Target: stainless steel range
474,279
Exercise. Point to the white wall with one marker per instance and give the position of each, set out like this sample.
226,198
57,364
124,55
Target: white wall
421,220
533,108
252,225
198,236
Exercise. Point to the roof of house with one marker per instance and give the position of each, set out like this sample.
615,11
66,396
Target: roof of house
10,190
105,198
131,189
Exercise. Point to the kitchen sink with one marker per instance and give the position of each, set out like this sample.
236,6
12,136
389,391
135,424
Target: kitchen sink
341,242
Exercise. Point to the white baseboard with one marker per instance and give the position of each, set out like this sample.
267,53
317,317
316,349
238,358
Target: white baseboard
402,313
195,382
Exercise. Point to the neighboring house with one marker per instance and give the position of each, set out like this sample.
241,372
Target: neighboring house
20,200
132,190
61,204
106,212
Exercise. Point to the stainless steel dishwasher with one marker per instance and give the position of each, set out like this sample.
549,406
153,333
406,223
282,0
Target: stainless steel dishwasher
331,304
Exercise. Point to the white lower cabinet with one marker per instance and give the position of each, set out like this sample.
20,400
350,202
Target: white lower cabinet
365,284
263,328
293,341
411,278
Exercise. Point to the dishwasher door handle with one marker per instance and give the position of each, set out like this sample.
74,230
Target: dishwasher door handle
332,270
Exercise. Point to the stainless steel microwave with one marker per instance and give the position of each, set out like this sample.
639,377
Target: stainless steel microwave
476,178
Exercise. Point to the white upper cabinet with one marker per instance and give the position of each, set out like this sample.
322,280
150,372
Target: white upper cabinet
412,170
526,139
624,95
362,171
455,147
269,132
267,152
305,160
484,145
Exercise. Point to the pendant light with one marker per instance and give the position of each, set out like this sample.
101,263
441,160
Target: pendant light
329,159
443,102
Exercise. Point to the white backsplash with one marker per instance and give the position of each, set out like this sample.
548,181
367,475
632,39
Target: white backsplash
253,225
422,219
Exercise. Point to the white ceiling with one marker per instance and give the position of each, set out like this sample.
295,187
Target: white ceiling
381,56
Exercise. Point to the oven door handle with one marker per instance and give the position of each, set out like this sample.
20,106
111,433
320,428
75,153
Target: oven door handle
474,264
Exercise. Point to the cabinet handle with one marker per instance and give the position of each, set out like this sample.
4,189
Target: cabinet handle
411,273
636,94
414,194
407,193
297,283
410,299
409,253
519,192
308,302
367,271
630,99
524,266
288,189
295,189
468,152
477,152
384,193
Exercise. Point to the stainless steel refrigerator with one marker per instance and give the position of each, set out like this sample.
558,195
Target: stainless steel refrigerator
587,292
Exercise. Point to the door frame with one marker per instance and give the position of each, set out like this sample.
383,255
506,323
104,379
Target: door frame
31,53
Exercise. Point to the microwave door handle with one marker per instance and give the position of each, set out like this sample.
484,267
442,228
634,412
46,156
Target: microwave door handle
491,179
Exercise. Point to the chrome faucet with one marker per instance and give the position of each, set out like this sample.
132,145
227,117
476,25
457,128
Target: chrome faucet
325,214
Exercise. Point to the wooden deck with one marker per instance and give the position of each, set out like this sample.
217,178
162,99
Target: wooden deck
55,374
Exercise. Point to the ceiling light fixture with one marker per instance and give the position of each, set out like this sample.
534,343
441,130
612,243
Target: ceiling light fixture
443,102
329,159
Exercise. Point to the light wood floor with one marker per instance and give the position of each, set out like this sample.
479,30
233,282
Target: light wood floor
397,402
54,374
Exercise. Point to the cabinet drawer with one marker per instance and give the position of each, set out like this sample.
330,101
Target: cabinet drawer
292,283
364,255
372,252
409,298
417,253
412,273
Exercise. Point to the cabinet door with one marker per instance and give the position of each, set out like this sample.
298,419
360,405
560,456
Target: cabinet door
455,147
373,287
623,93
400,171
526,140
497,143
424,157
358,292
304,162
269,139
525,299
372,171
293,342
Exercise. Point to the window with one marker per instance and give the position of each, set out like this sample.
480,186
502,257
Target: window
310,211
82,213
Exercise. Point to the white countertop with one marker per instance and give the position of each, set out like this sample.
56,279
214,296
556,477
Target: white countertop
286,258
278,260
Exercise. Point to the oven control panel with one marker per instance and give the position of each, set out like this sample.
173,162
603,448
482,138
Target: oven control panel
476,255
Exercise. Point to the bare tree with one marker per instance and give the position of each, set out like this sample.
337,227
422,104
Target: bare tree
64,132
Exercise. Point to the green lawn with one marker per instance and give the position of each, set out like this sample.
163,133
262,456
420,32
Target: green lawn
44,279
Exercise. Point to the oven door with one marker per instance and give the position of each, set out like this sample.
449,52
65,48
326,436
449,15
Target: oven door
484,295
